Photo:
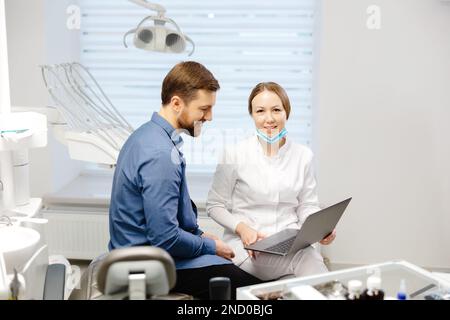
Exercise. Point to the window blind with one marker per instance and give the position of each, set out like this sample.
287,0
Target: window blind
243,42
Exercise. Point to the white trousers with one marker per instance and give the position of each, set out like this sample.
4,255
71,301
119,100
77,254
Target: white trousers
271,267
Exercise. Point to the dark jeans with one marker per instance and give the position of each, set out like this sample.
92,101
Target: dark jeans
195,282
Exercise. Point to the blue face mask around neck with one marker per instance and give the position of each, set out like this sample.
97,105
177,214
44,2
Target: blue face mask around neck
272,140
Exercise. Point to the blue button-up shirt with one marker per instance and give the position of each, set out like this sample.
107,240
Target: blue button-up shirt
150,202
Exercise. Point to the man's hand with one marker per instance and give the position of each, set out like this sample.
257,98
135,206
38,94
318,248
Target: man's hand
248,236
223,250
329,239
210,236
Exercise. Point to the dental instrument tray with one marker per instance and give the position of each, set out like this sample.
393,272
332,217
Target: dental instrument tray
420,284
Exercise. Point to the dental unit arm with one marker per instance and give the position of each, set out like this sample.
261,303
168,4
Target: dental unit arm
151,6
90,125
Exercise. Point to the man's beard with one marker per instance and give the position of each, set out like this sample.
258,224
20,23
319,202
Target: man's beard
193,129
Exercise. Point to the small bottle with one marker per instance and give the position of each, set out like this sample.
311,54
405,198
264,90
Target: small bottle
354,290
401,294
373,291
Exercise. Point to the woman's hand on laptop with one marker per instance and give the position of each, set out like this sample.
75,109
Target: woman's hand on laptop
248,236
329,239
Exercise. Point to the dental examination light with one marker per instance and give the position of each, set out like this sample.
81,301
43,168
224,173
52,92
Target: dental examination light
158,37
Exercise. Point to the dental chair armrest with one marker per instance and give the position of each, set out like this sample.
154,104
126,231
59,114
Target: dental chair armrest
55,281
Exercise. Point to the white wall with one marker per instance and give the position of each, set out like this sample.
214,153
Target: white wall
37,34
383,130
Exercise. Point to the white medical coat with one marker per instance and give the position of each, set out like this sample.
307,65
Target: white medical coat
269,194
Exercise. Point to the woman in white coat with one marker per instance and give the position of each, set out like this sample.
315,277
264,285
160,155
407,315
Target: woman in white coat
266,184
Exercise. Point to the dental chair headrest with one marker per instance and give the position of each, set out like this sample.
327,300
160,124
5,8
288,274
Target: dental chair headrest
156,263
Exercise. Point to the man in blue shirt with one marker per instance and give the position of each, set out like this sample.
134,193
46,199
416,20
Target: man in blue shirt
150,202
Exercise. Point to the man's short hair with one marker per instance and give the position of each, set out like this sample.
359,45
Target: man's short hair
185,79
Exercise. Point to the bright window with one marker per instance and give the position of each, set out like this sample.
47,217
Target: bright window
243,42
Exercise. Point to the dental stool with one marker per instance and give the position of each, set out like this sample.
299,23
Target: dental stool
136,273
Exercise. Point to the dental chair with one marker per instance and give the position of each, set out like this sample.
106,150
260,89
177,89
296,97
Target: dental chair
136,273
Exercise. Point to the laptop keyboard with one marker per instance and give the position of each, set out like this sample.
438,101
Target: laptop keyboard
282,247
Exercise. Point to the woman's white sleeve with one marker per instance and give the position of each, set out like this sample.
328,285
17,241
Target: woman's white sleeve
219,197
308,197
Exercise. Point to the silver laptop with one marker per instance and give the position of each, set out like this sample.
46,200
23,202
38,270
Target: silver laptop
316,227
